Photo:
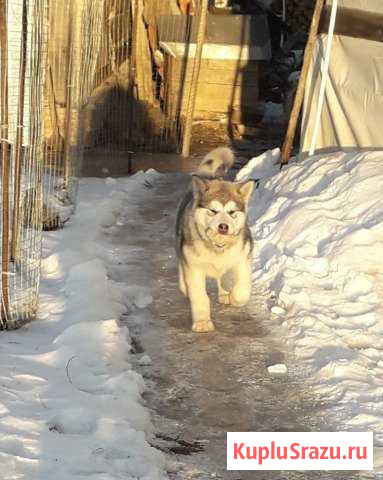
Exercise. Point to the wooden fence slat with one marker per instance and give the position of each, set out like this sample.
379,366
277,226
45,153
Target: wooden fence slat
5,163
203,7
19,132
298,100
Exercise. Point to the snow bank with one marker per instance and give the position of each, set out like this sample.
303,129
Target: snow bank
318,231
70,403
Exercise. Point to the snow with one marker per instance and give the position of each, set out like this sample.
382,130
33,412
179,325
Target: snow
70,404
139,296
318,231
259,167
145,360
278,310
277,369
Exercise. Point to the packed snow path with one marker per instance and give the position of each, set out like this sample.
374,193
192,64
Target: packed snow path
202,385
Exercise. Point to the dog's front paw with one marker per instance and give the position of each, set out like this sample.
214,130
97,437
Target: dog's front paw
239,298
203,326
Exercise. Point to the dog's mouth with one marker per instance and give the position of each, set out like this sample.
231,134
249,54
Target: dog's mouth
220,240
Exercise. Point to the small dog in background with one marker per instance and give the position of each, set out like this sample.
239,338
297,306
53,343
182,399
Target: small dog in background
213,237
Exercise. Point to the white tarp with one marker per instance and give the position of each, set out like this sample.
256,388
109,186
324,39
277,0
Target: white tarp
353,108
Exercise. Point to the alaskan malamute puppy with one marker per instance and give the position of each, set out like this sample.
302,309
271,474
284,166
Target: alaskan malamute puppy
213,237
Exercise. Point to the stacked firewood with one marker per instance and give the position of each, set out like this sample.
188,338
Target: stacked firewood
299,14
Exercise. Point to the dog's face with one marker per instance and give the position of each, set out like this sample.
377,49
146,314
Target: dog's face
220,208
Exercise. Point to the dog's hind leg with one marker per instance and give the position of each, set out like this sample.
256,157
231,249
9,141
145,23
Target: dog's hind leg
181,279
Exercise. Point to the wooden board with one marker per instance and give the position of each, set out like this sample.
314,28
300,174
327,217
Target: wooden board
221,74
220,88
221,29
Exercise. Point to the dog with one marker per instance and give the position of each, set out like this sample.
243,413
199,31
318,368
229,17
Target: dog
213,237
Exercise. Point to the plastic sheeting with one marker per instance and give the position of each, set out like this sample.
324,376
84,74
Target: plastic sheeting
366,5
352,115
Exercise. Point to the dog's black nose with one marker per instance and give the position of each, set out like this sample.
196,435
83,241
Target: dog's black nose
223,228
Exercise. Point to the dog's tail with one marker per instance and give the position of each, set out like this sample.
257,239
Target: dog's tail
216,163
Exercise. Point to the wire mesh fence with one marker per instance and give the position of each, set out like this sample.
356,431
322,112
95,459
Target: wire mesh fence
76,75
48,55
73,45
147,55
142,82
22,52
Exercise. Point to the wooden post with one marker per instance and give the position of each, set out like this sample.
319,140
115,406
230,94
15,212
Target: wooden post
194,81
56,140
68,150
132,68
143,59
5,165
298,100
19,132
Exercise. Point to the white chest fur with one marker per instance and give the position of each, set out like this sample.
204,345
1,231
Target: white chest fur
215,263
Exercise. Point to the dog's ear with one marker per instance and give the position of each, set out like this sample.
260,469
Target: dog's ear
200,185
245,189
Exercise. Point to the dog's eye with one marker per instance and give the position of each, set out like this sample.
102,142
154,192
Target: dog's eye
232,213
212,211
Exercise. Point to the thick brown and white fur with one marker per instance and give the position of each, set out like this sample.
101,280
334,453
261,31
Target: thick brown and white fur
213,237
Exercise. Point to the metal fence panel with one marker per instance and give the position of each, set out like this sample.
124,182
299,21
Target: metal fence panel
23,46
